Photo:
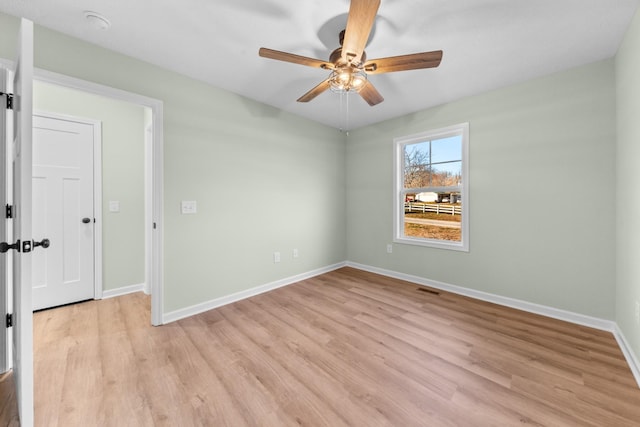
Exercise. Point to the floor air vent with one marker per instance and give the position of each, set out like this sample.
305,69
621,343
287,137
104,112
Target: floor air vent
429,291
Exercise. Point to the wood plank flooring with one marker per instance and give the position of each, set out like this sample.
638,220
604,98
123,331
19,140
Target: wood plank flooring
347,348
8,404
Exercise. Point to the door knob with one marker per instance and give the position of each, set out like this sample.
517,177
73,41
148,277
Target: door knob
5,247
45,243
26,245
86,220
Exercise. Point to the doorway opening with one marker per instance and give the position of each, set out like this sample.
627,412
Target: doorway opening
131,181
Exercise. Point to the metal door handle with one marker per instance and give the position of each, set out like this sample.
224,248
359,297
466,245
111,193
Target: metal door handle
45,243
86,220
5,247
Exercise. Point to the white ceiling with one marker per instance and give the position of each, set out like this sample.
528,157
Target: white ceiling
487,44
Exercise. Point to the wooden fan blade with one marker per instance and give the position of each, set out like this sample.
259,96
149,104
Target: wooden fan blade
370,94
403,62
296,59
324,85
362,13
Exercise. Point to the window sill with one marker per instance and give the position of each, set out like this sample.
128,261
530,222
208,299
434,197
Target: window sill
437,244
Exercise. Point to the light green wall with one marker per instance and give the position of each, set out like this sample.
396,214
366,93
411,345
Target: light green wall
264,180
122,175
628,184
542,170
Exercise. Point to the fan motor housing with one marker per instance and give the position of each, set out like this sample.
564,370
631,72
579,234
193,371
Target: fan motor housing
336,59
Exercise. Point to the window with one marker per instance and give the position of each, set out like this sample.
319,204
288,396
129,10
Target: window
431,205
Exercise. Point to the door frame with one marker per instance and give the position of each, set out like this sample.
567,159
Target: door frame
148,207
156,260
96,125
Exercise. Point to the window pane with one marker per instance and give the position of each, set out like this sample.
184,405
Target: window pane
446,149
446,174
416,165
433,220
430,183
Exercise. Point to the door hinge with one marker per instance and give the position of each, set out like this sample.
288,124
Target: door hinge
9,211
9,320
9,100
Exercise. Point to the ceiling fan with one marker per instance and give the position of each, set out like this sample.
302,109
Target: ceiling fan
348,63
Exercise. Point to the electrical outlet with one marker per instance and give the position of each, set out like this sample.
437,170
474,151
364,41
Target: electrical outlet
637,312
276,257
389,248
295,253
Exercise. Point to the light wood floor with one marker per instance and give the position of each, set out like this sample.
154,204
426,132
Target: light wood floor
347,348
8,404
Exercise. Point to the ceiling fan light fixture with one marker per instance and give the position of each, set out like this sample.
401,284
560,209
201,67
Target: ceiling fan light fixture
347,79
349,61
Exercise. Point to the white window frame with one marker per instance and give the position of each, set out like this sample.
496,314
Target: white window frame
399,192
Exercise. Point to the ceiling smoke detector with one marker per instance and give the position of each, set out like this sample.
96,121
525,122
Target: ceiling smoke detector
96,20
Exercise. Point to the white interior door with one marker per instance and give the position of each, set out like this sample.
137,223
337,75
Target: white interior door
21,153
5,295
62,210
5,355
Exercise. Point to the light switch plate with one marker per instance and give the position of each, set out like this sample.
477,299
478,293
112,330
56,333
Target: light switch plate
189,207
114,206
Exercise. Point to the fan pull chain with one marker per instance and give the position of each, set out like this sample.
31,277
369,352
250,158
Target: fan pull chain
341,109
344,111
347,115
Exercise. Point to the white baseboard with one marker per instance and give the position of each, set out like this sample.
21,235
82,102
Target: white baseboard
568,316
632,360
580,319
228,299
110,293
